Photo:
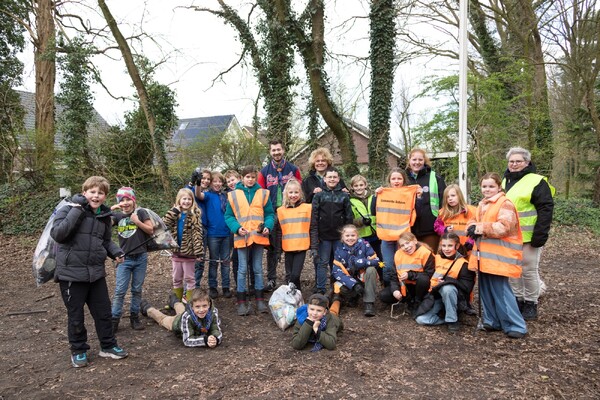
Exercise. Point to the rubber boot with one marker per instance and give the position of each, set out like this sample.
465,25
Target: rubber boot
178,293
369,310
188,295
115,325
136,324
335,304
242,304
260,302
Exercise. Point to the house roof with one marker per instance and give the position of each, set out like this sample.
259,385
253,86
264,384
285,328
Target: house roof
202,127
98,124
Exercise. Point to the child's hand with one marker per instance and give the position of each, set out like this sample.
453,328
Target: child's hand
316,325
135,219
419,192
265,231
120,259
317,190
212,341
242,231
379,190
397,295
115,207
403,276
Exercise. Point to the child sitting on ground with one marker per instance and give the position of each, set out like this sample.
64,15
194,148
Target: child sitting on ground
354,270
452,282
415,265
197,323
315,325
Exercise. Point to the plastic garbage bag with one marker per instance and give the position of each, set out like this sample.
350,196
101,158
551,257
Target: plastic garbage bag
283,305
162,238
44,256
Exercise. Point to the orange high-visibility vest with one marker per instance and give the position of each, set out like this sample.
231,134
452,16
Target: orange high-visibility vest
498,256
395,211
411,262
442,265
295,227
250,216
459,222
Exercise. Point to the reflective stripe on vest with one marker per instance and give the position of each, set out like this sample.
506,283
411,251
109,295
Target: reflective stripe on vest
434,194
411,262
295,227
359,210
498,256
459,222
442,265
249,216
520,194
395,210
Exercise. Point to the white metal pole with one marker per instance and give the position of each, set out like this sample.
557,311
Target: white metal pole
462,93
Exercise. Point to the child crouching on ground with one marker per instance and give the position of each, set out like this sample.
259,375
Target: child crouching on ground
197,323
354,270
315,325
451,284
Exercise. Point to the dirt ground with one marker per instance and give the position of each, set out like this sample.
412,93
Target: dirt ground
376,358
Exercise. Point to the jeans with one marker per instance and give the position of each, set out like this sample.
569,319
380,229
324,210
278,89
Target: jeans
134,269
219,248
326,248
388,250
500,309
256,252
448,302
527,287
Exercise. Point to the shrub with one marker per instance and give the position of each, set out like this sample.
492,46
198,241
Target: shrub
577,212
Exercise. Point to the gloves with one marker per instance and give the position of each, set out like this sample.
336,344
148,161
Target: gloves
79,199
196,176
366,221
471,233
175,210
313,254
468,246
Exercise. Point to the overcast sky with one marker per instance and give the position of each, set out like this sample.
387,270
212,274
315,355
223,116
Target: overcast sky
199,45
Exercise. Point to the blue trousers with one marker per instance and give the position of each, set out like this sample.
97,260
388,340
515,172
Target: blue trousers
448,302
132,269
219,248
326,248
388,250
500,308
255,251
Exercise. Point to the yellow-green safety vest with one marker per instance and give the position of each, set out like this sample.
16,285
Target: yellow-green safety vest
359,210
520,195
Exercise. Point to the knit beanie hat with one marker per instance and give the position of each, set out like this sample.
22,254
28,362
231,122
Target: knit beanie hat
125,192
319,299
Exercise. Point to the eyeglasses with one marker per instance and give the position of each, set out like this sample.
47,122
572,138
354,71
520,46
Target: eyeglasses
516,161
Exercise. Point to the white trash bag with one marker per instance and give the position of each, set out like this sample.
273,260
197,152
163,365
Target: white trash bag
283,304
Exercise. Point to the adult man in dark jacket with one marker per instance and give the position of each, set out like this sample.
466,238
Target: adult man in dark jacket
532,195
273,177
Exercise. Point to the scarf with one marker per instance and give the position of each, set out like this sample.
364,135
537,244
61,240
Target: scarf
203,328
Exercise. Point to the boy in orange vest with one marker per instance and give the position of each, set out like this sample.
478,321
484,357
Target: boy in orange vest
250,217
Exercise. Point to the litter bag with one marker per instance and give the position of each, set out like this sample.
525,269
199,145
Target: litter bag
44,256
283,304
162,238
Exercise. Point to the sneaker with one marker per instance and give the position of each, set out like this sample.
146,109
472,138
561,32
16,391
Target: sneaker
529,312
453,327
79,360
270,286
515,335
213,293
114,352
490,328
226,293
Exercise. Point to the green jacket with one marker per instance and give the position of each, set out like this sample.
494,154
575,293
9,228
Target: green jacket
328,338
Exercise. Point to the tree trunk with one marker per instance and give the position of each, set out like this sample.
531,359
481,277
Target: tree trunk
312,51
163,168
383,39
45,77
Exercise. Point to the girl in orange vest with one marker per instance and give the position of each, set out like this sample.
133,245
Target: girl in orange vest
293,230
414,266
454,215
250,217
499,245
397,178
451,282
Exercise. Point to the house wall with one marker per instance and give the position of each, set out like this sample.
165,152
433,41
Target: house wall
361,145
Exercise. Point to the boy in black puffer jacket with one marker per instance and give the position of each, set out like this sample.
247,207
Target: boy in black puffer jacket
82,231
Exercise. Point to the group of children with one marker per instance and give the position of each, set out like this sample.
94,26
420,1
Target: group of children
356,238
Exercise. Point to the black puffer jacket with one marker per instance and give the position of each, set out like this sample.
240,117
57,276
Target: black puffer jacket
541,198
425,219
311,182
84,241
331,210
